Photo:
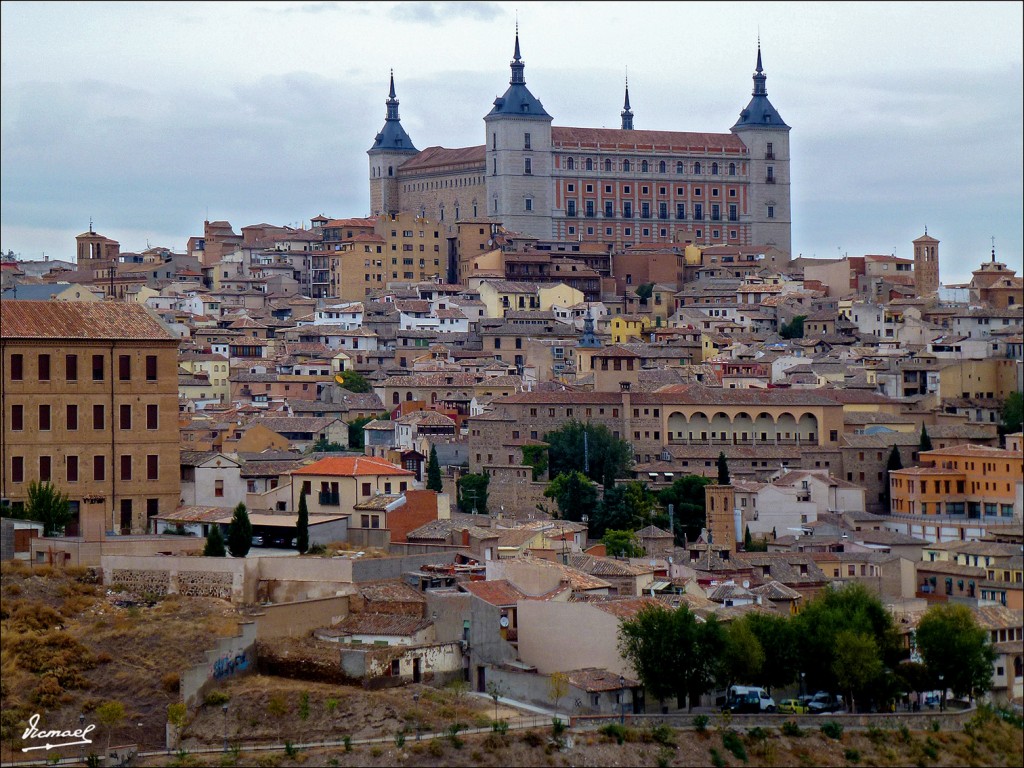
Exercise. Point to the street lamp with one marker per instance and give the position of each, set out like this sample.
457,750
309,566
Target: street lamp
803,690
81,729
416,704
942,692
224,709
622,700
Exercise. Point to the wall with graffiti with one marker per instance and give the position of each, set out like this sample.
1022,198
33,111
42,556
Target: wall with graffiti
230,657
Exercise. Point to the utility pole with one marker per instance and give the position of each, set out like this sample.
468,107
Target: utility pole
586,453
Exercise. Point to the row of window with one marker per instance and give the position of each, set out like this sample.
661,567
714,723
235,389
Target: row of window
44,417
44,367
610,166
645,190
71,468
627,211
663,232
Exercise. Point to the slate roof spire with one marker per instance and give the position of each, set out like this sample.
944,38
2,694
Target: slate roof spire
627,113
517,99
517,63
760,113
393,136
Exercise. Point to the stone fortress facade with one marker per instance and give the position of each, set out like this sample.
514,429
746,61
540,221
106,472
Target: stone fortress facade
616,186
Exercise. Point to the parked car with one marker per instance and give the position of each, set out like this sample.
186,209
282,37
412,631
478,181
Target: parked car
823,703
257,541
744,704
793,706
765,702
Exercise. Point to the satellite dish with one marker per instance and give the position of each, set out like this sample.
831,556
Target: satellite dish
503,621
490,241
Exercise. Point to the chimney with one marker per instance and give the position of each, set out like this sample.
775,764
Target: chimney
444,506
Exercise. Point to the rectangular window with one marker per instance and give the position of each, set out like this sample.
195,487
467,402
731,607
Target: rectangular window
366,489
150,367
529,203
771,211
44,367
17,469
72,468
527,166
97,367
526,141
124,367
152,416
152,507
71,367
126,416
44,418
98,417
99,468
71,414
152,466
44,469
17,418
698,211
17,368
126,466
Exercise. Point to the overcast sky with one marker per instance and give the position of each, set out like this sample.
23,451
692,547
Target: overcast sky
150,117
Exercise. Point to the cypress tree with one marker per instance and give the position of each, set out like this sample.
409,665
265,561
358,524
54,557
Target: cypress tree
723,469
926,441
240,532
302,526
214,543
434,472
748,540
894,463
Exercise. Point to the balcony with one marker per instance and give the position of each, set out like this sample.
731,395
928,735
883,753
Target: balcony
769,155
769,180
330,499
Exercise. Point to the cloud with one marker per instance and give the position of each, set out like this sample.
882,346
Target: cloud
443,12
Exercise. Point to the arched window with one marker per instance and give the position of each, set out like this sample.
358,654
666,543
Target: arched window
608,166
570,163
625,166
643,166
590,164
408,396
679,167
714,169
696,168
732,169
394,398
661,167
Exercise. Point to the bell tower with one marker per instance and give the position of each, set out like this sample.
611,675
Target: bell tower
926,264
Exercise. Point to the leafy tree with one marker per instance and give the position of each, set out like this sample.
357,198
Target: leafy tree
472,493
625,506
777,637
926,442
302,526
622,544
1013,414
323,445
644,292
794,329
240,532
536,456
687,495
894,463
705,668
574,494
214,543
609,457
558,687
723,469
110,714
856,663
48,506
434,472
954,646
356,436
354,381
650,642
742,656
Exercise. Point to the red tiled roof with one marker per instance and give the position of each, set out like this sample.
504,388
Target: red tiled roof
80,320
432,157
499,592
608,138
352,466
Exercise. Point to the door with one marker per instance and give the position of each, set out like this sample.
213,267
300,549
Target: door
416,670
481,680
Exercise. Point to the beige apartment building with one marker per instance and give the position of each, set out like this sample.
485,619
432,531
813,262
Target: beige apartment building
90,404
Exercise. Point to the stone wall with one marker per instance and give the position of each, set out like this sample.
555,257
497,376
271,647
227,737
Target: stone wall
438,664
298,618
227,578
229,657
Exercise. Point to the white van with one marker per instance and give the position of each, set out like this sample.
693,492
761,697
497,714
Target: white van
767,702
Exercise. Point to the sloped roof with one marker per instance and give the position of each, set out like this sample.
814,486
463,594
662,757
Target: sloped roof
352,466
93,320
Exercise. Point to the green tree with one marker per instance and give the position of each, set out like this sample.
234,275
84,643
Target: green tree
704,669
955,647
624,506
472,493
609,457
574,494
302,526
48,506
686,494
723,469
925,443
644,292
621,544
240,532
794,329
856,663
323,445
1013,414
650,641
214,542
536,457
110,714
434,472
778,641
356,436
354,381
894,463
742,657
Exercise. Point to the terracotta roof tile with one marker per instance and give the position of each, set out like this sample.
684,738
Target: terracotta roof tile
80,320
352,466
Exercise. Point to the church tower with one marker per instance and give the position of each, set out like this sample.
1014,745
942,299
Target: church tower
518,157
390,149
720,505
926,265
762,129
627,113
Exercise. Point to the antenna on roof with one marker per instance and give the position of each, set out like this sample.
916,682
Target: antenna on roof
90,225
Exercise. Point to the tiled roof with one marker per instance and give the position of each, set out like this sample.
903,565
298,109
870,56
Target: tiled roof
499,592
352,466
609,138
388,624
94,320
627,608
433,157
392,591
594,680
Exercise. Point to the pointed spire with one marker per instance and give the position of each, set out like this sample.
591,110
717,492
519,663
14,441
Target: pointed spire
627,113
759,76
759,67
392,94
516,55
518,65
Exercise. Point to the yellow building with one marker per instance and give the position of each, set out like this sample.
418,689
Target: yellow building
415,248
625,328
217,370
90,404
963,480
501,295
989,378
